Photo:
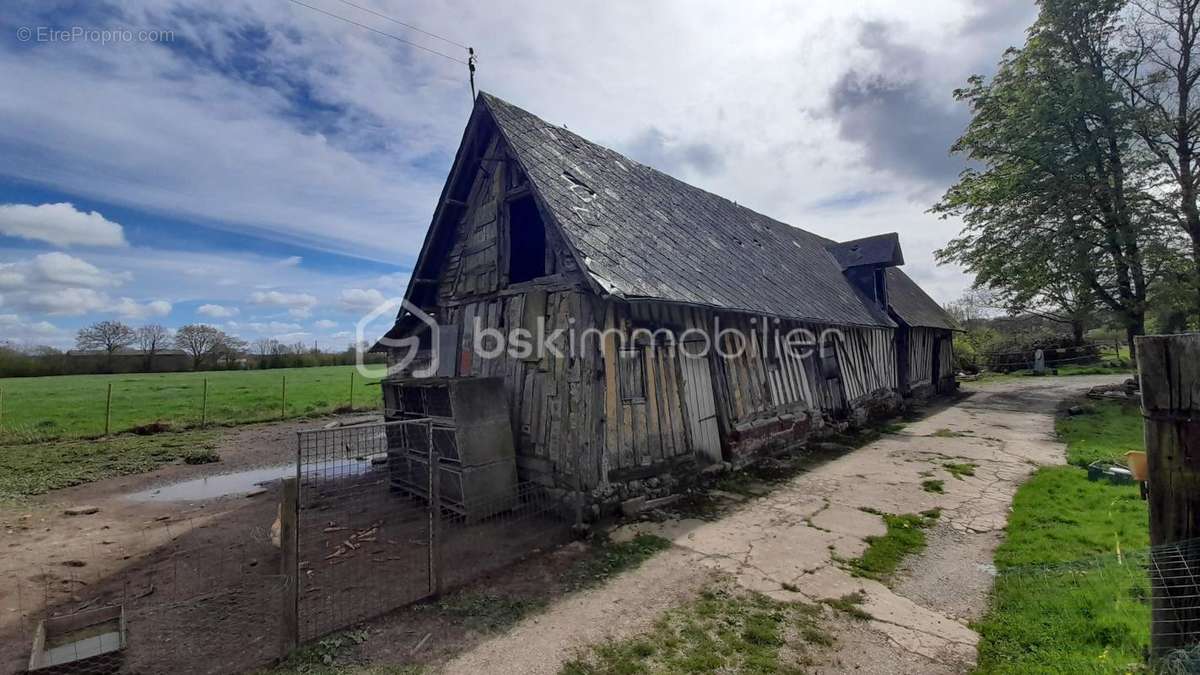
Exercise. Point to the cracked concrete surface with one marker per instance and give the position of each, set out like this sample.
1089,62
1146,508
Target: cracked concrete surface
793,536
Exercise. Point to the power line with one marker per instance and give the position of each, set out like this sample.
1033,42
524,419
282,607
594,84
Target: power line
381,15
379,32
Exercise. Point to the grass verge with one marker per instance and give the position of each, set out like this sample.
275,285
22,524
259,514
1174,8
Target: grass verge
1068,597
33,469
724,630
1106,429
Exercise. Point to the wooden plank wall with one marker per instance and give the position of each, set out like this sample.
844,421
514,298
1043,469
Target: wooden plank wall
867,357
920,356
556,401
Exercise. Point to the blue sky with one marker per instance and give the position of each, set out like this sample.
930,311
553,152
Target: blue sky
265,168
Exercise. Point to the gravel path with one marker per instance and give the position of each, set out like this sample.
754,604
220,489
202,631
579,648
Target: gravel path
792,535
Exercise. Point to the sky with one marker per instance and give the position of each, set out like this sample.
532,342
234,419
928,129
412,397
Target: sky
268,169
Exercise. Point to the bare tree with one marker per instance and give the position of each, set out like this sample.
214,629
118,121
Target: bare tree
108,336
152,338
199,340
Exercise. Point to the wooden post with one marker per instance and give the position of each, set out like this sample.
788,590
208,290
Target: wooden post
204,405
435,515
1169,366
283,399
352,390
1,408
108,410
289,566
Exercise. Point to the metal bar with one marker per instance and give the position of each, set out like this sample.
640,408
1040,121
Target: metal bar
289,568
435,515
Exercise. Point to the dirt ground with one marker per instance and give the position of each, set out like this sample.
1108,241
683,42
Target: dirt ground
148,553
793,534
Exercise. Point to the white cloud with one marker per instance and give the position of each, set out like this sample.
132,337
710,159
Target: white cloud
325,324
67,270
299,305
217,311
17,330
59,224
63,301
129,308
273,328
358,299
290,261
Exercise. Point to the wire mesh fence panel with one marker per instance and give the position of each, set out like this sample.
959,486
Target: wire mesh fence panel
200,610
363,548
1099,614
497,529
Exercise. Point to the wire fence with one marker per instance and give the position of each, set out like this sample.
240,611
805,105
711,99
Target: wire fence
39,409
346,536
1052,357
1130,607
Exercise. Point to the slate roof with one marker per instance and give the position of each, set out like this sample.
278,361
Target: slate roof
881,249
640,233
913,305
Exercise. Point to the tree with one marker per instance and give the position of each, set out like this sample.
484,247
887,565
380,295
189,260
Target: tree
108,336
151,338
1159,71
199,340
1062,184
229,350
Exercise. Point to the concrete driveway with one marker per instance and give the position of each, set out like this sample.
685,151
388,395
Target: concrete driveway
793,536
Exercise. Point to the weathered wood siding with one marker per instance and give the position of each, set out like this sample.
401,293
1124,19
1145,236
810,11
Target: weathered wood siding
921,354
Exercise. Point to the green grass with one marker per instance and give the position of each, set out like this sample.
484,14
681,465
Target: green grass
38,408
610,559
905,536
933,485
1106,430
487,612
723,631
960,469
1065,602
32,469
1069,599
850,605
327,656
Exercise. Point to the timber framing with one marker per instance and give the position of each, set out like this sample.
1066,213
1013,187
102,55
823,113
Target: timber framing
540,229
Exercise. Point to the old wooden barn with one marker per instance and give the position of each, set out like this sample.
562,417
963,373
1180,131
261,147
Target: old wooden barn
538,227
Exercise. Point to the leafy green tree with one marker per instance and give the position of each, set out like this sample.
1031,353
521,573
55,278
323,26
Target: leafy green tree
1057,206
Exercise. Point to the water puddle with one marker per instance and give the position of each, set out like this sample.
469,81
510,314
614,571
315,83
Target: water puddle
247,482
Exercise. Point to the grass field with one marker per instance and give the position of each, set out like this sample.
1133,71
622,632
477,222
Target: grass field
1070,597
38,408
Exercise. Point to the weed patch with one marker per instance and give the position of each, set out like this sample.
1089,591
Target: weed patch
610,559
723,631
960,469
850,605
905,536
487,613
932,485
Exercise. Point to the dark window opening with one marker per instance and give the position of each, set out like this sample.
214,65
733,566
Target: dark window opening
881,287
527,243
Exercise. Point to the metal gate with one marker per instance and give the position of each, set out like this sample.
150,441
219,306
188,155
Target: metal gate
372,531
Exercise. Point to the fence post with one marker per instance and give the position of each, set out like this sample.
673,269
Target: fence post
351,391
283,399
1169,366
204,405
1,408
289,566
435,514
108,410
